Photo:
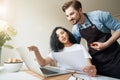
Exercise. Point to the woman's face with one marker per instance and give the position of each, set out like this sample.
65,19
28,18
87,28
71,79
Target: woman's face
62,36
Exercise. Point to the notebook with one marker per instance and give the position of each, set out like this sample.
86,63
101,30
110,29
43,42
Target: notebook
32,64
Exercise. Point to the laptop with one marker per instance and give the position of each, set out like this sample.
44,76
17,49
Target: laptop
74,60
31,63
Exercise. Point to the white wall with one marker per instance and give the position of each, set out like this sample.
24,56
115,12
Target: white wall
35,19
106,5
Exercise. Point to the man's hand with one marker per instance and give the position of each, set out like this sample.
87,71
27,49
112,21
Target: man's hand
98,46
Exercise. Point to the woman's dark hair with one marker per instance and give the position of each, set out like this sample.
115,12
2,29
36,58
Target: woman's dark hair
55,44
74,3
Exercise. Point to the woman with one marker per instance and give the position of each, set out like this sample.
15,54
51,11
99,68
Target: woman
62,40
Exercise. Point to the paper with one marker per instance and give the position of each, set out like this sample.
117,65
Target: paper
73,60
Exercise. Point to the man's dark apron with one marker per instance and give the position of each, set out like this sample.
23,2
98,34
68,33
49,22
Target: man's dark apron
107,61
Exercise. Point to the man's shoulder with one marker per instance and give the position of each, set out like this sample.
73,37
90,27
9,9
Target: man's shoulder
96,12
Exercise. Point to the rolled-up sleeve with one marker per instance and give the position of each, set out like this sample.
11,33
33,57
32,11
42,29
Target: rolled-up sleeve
109,21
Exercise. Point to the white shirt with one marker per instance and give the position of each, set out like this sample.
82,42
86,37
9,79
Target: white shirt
74,47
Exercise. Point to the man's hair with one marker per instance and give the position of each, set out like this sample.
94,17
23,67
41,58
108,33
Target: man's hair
55,44
74,3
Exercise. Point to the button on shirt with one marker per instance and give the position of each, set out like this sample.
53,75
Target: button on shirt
103,21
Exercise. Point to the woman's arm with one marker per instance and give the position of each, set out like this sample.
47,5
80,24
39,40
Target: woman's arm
42,61
88,61
90,69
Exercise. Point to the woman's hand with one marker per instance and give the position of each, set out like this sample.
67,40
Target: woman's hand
40,59
33,48
90,70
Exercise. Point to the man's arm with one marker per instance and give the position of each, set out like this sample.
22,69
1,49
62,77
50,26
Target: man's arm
112,24
113,38
100,45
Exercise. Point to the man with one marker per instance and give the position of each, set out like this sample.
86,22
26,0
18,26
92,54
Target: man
96,28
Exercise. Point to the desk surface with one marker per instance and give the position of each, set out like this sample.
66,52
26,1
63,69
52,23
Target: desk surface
29,75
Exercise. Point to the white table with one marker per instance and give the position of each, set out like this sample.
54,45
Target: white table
98,77
23,75
28,75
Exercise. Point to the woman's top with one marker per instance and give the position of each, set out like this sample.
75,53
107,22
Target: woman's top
74,47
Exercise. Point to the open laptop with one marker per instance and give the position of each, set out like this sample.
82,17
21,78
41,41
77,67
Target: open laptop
31,63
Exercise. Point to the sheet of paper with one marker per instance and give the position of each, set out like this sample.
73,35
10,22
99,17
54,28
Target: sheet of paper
73,60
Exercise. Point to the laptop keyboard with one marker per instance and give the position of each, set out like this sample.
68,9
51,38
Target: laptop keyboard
46,71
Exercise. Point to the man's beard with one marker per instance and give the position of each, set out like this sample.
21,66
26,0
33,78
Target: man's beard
73,21
77,21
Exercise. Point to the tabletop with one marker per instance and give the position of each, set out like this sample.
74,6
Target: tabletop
30,75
